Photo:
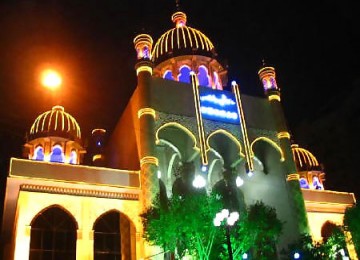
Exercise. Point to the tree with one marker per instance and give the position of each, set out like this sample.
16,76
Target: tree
329,249
257,232
185,224
352,224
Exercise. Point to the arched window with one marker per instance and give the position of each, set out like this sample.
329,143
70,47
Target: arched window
112,239
73,157
184,75
39,153
203,76
304,183
317,184
57,154
217,83
53,235
168,75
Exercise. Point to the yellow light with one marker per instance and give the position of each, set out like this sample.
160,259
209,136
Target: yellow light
51,79
283,134
144,68
146,111
274,97
293,177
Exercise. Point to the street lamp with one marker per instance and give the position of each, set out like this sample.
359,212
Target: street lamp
230,219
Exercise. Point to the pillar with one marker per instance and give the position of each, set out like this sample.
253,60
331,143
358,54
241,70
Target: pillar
146,117
268,78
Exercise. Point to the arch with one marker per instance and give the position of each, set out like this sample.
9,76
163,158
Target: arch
184,74
171,157
216,81
57,154
225,144
168,75
53,234
271,142
304,183
38,153
187,131
114,236
232,137
73,157
203,76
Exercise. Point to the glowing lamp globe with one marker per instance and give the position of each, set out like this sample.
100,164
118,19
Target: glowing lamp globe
51,79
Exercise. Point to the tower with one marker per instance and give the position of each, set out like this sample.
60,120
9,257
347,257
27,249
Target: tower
184,119
272,91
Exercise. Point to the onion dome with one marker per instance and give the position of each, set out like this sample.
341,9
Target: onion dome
55,122
181,40
305,160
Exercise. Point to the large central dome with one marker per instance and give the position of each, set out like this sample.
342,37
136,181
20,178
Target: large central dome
181,40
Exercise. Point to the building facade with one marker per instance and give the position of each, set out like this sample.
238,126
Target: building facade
179,114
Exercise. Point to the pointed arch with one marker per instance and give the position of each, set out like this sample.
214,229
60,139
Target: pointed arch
224,132
114,236
53,234
57,154
175,124
38,153
184,74
203,76
271,142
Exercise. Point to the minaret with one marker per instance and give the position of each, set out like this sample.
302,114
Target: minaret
267,76
146,119
98,142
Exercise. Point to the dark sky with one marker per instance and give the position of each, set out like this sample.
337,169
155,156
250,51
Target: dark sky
314,46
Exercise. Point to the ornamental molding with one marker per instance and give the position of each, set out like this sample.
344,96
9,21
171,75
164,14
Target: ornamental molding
79,192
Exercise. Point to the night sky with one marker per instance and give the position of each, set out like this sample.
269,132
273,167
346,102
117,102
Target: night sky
313,46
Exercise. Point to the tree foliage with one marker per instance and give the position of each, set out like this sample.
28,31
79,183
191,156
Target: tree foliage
185,224
352,224
256,233
328,249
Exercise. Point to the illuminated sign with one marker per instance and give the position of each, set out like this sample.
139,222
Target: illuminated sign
219,106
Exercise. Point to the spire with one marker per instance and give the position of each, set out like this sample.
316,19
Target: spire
177,4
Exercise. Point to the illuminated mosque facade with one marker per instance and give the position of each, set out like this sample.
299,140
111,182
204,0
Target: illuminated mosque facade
56,207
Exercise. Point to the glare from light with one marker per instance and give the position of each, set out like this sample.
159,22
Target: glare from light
233,217
250,173
296,255
203,168
51,79
239,181
199,182
159,174
245,256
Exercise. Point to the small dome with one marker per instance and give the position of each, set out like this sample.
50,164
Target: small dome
305,160
55,122
181,40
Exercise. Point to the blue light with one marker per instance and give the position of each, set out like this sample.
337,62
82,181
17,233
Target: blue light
296,255
245,256
98,143
203,168
222,101
219,106
219,113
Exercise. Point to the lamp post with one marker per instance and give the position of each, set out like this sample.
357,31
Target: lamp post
230,219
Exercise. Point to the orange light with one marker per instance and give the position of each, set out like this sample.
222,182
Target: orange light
51,79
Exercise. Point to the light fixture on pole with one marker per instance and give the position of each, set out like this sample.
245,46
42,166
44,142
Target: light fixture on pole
229,219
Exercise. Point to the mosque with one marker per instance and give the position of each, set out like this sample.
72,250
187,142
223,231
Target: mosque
57,207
